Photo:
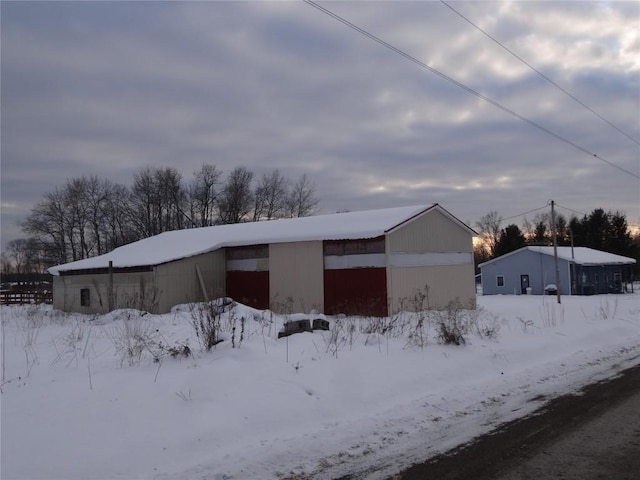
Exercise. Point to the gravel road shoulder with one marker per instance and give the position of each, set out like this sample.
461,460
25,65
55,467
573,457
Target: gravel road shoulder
593,435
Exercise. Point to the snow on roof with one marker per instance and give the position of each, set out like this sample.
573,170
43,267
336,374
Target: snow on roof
177,244
585,256
580,256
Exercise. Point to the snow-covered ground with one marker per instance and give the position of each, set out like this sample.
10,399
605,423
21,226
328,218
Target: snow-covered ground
77,405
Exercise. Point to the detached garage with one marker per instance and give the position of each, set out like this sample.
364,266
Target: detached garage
582,271
369,263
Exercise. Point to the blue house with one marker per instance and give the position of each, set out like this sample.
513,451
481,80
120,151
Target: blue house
531,270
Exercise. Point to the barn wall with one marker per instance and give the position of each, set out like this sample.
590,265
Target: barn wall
441,284
296,277
177,282
358,291
430,255
130,290
58,292
248,275
355,277
249,288
431,232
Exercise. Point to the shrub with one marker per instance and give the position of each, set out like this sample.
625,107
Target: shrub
452,326
484,325
131,337
418,332
206,321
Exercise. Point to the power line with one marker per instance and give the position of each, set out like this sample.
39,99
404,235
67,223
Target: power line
463,86
524,213
542,208
540,73
571,210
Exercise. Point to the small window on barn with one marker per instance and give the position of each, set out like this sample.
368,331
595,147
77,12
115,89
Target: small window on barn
500,281
85,297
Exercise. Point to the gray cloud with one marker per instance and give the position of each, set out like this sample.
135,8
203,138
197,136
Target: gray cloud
107,88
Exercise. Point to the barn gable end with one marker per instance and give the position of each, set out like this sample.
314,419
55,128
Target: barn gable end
431,255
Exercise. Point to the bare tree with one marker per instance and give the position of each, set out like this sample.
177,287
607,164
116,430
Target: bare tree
489,231
158,200
236,199
89,216
96,199
301,200
47,223
19,255
71,223
270,196
144,203
6,265
202,195
171,199
527,228
117,217
77,217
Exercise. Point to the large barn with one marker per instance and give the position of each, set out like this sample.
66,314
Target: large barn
371,263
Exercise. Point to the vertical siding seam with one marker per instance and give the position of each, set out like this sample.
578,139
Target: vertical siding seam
387,257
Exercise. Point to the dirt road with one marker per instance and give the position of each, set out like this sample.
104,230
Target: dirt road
592,436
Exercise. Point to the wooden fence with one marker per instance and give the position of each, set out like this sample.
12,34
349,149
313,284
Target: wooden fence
25,296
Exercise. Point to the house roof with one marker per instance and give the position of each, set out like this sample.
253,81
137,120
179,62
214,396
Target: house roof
578,255
177,244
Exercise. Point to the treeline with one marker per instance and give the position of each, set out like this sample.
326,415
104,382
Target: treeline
89,216
606,231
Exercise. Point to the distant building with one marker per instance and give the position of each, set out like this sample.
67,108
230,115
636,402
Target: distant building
582,271
369,263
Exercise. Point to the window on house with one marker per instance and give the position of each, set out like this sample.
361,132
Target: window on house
500,281
85,297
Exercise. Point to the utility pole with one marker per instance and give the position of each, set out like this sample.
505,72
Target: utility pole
110,287
574,280
555,249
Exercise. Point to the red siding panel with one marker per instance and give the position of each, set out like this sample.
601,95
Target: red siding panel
249,288
356,291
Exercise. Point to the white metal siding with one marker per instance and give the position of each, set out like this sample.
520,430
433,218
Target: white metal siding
431,232
431,253
177,282
126,291
430,259
296,280
58,293
443,284
338,262
248,265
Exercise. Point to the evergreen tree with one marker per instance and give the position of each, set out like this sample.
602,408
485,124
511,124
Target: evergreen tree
511,238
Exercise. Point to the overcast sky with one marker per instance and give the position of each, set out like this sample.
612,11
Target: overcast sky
108,88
